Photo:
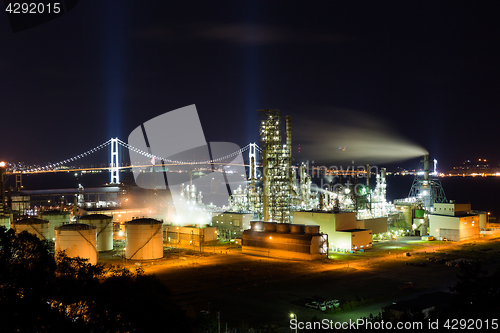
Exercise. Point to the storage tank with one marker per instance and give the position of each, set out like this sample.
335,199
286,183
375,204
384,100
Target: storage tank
296,229
270,226
311,229
283,228
33,225
5,221
104,225
78,240
144,239
56,219
257,225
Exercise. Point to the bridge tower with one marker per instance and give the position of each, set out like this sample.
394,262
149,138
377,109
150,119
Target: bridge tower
252,157
115,171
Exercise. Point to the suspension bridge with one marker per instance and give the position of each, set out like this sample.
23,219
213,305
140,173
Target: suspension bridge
114,155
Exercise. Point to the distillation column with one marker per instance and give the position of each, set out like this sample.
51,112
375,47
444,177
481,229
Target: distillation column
276,166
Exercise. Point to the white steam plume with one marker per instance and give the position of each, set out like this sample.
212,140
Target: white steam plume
349,135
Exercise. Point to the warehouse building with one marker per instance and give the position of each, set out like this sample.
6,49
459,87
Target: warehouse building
454,222
230,224
190,236
345,233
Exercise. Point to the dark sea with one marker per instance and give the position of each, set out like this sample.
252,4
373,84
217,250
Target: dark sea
483,193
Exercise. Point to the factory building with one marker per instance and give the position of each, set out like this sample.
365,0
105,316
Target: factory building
406,211
483,218
95,197
119,215
454,222
351,239
451,209
190,236
5,221
283,240
230,224
345,232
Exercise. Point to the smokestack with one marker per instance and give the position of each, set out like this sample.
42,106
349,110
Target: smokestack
265,187
289,134
252,174
2,186
367,175
426,167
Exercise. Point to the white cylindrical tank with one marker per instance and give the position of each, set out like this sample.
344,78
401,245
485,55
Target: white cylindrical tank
56,219
36,226
144,239
78,240
5,221
104,224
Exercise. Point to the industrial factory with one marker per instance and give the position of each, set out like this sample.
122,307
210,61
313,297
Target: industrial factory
278,211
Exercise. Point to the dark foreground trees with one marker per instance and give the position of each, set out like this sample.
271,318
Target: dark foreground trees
41,294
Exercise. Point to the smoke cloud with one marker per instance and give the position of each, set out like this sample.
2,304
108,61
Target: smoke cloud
348,135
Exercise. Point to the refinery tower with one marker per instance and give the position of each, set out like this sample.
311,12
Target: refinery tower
276,163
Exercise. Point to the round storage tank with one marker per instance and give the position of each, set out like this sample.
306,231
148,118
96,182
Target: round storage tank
144,239
257,225
78,240
56,219
311,229
296,229
104,225
5,221
283,228
270,226
33,225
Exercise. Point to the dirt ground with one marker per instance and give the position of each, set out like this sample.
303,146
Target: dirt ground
258,291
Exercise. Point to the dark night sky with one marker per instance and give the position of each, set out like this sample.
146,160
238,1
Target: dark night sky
426,72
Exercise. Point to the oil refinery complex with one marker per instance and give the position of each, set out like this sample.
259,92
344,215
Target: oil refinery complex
277,211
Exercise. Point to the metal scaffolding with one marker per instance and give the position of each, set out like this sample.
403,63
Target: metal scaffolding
426,188
276,175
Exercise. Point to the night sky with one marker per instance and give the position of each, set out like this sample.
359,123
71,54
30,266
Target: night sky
422,74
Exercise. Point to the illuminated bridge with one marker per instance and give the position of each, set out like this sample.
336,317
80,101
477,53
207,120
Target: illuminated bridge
114,155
